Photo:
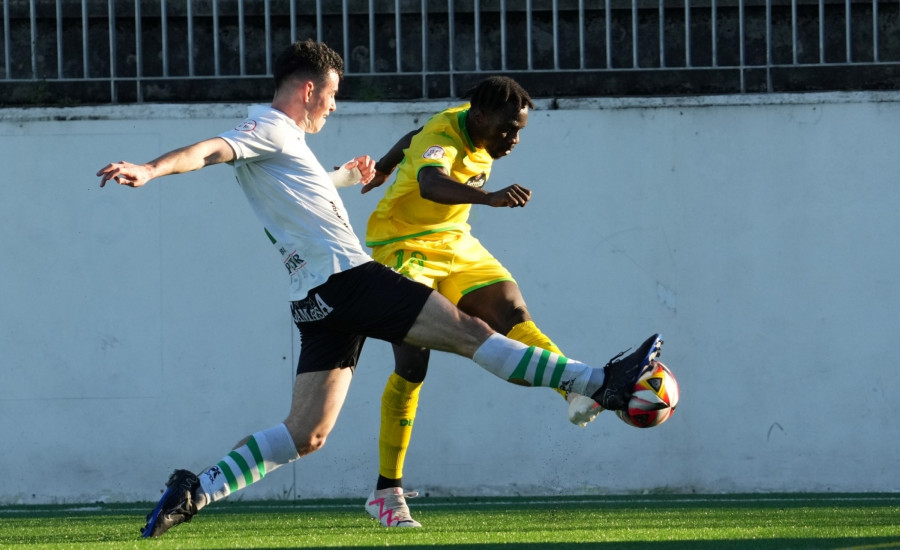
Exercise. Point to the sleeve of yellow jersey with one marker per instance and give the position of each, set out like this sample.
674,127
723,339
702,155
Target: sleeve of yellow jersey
436,146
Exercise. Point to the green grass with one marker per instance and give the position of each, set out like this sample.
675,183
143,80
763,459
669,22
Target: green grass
664,522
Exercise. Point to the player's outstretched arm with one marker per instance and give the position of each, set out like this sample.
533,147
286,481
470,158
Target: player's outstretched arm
185,159
385,166
437,186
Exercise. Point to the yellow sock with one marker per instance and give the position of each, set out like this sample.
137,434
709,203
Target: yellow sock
529,334
398,410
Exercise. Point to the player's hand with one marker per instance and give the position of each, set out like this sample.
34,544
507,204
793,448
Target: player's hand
512,196
125,173
377,180
365,165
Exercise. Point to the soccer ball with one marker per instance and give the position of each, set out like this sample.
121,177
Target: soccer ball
655,397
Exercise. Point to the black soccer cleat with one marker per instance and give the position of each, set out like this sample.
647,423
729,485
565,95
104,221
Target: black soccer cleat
175,506
620,375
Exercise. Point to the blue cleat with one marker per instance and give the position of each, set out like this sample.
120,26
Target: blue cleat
620,375
175,506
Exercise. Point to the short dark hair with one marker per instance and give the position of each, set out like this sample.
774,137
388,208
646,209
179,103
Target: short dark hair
308,59
496,92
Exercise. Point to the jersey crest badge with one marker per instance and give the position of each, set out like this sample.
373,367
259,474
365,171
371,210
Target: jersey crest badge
434,152
246,126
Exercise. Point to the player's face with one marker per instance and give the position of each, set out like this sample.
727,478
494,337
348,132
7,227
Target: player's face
322,103
501,132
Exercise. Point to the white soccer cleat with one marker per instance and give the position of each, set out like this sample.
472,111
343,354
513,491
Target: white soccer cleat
389,507
582,409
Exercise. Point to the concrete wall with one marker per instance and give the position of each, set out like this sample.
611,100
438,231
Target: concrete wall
144,330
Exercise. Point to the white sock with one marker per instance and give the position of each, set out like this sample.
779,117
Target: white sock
532,366
264,452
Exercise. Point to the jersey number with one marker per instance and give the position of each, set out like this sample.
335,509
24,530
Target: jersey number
414,264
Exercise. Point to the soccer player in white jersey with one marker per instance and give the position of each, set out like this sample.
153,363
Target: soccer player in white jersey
339,295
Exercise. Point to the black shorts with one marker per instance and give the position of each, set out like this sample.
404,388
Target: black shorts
336,317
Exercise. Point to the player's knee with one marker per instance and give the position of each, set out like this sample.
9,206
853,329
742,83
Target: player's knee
305,440
513,316
412,364
310,444
413,376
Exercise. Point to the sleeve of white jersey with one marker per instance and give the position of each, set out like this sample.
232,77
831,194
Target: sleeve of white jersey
342,177
252,139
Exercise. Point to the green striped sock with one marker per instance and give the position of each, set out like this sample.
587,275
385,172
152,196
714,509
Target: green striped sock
540,367
532,366
262,453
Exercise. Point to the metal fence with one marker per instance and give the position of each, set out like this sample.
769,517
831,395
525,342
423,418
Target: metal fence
149,50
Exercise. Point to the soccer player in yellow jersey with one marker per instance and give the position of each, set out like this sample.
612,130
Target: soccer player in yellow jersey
420,229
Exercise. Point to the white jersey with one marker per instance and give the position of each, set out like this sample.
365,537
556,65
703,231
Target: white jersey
294,197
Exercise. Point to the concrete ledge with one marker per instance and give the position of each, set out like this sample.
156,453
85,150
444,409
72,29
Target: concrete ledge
177,111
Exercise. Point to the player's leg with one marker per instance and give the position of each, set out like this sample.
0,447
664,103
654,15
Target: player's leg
503,307
398,412
324,371
424,262
488,291
582,409
387,503
481,286
442,326
317,400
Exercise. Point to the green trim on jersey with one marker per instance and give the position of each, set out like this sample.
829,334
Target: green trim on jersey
488,283
462,117
454,227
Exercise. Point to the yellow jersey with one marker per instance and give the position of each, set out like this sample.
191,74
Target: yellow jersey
443,142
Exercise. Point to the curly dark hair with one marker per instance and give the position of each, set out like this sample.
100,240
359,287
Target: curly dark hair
496,92
308,59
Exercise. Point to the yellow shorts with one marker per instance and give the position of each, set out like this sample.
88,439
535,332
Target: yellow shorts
454,264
